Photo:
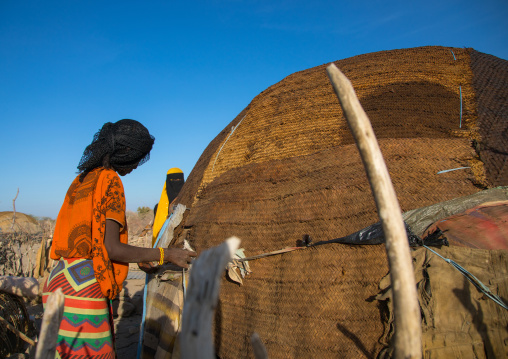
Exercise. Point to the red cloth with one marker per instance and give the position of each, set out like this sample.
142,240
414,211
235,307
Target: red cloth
484,227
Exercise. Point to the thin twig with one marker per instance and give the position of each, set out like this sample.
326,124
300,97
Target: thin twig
17,332
14,210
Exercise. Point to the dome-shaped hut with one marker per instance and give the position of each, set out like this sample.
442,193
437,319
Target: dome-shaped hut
287,166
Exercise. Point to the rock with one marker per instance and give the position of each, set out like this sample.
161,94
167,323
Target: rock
123,307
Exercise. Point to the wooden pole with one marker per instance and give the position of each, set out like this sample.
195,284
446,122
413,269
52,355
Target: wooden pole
408,332
53,314
196,340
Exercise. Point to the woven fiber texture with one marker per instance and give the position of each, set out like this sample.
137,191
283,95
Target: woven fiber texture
287,166
490,81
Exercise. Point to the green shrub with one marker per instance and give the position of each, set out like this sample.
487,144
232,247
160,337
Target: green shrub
143,210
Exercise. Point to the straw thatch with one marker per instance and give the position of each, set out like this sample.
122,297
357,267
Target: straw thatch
287,166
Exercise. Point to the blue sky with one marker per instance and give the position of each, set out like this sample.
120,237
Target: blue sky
183,69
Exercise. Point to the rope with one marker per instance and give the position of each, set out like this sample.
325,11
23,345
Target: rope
145,291
263,255
453,169
460,90
232,130
476,282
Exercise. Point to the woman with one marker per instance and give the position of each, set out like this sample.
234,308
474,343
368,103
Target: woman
90,241
172,186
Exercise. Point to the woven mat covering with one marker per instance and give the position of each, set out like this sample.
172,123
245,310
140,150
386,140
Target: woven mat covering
312,303
490,82
304,307
325,194
406,93
288,166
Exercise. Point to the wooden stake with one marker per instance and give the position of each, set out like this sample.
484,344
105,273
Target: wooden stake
408,332
53,314
196,340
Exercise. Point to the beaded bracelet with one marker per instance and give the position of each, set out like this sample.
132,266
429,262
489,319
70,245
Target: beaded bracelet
161,260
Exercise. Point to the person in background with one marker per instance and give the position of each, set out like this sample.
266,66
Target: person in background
90,241
172,186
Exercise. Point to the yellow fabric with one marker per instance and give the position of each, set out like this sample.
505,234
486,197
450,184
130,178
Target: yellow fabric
161,215
174,170
162,208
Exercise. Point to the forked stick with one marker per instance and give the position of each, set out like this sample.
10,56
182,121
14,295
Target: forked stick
408,331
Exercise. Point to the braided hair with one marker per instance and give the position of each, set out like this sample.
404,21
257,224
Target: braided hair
122,145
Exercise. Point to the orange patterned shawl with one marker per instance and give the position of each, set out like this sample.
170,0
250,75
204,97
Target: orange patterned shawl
81,224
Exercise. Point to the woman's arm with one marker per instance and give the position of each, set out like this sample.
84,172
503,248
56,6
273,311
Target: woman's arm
130,254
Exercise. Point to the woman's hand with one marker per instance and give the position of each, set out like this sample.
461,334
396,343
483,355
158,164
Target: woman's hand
130,254
147,267
180,257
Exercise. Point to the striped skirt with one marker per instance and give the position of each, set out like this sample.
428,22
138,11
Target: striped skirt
86,330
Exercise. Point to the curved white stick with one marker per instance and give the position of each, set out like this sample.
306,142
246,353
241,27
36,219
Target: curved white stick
408,332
